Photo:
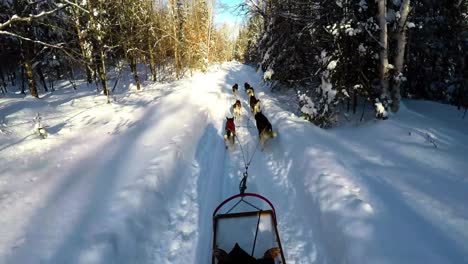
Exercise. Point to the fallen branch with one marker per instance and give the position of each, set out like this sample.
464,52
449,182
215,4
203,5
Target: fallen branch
431,140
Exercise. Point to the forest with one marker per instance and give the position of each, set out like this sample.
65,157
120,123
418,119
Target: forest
346,53
45,41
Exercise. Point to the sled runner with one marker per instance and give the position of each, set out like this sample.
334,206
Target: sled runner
246,224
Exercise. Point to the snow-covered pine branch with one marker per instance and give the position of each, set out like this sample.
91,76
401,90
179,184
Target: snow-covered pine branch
16,18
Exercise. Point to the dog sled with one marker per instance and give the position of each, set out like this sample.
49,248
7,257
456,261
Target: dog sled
245,231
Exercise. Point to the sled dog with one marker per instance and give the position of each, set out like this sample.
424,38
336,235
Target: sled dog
237,109
230,131
254,104
246,86
265,131
235,89
250,92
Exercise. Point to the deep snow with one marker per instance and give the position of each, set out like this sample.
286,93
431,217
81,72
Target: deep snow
136,181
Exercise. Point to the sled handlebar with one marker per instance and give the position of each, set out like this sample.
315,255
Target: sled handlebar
242,195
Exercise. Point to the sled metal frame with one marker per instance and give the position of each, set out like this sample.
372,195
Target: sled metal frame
259,212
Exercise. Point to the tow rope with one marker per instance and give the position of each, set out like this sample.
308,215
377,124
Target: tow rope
243,182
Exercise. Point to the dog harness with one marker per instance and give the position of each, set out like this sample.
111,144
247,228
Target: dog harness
230,126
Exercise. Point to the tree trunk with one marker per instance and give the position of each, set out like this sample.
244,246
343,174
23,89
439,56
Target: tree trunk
72,76
88,48
22,81
133,68
178,15
85,50
96,76
103,76
348,104
383,49
4,84
176,54
146,70
30,78
42,78
152,62
400,57
355,98
51,85
12,78
210,19
58,72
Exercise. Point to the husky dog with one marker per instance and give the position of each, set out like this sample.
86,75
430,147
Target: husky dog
237,109
254,104
230,130
250,91
235,89
264,128
246,86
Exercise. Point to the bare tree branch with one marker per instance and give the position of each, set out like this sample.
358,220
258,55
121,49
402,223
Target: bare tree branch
56,46
76,5
250,7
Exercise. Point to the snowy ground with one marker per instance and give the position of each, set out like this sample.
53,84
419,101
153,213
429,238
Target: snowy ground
136,181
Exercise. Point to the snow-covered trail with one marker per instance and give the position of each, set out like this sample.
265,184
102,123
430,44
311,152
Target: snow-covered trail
137,181
269,177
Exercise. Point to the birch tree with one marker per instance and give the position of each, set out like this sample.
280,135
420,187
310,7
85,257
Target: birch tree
400,54
383,39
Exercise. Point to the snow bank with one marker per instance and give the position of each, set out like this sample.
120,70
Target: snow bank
375,194
267,75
